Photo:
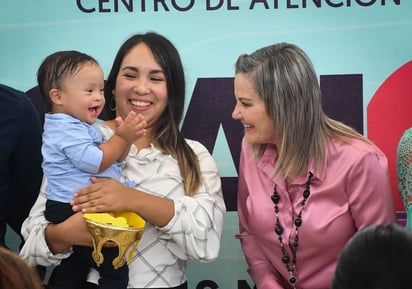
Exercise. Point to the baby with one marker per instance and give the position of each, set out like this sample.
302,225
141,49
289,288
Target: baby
74,149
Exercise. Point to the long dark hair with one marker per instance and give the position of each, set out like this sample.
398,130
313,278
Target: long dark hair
167,136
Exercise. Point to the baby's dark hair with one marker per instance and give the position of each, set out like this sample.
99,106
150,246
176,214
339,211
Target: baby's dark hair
56,67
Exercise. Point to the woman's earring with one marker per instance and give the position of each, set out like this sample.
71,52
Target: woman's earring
112,104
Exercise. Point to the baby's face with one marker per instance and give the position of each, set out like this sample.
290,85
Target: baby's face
83,93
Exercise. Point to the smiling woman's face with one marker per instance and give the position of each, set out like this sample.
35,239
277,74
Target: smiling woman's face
251,111
141,85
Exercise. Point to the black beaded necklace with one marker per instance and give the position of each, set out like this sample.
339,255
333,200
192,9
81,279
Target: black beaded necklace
279,231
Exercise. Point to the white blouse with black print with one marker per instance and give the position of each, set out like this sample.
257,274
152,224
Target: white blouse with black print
194,233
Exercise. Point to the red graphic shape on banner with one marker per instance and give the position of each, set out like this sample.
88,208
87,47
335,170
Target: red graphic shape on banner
389,115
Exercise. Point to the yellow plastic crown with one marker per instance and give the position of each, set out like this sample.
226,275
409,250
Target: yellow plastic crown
124,229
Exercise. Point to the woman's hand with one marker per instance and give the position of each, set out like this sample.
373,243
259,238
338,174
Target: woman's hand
104,195
73,231
109,195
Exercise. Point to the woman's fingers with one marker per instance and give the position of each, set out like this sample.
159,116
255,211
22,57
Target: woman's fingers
85,199
88,206
98,197
104,195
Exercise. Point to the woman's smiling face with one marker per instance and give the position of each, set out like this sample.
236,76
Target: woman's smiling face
251,111
141,85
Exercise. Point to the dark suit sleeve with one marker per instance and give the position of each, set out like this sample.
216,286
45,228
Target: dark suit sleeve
23,160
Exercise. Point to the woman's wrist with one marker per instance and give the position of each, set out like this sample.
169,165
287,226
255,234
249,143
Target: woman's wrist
56,240
62,236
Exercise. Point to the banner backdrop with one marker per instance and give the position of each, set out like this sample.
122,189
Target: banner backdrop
361,50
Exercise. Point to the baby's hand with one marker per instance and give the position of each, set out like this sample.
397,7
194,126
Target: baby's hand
131,128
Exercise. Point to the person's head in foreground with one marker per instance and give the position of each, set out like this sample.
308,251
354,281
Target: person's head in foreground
377,257
16,273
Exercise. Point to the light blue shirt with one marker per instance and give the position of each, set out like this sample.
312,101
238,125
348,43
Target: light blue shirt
71,156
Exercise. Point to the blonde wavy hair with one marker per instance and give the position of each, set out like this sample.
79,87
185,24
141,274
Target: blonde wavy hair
284,78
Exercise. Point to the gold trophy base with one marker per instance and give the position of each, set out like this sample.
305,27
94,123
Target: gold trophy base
123,236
